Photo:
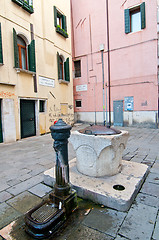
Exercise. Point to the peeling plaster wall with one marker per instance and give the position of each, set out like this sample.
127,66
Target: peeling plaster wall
8,120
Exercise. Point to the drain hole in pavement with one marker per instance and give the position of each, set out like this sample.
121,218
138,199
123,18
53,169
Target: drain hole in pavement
119,187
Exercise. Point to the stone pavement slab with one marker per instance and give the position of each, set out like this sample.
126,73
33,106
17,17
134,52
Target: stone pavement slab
40,190
15,231
86,233
7,214
147,200
4,196
153,178
150,189
24,202
3,186
156,231
23,186
155,168
13,182
106,220
139,223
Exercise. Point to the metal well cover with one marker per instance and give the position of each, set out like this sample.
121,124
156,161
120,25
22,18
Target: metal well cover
99,130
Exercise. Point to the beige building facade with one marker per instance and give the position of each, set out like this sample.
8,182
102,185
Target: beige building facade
35,67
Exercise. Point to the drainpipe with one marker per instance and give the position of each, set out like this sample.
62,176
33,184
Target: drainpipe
102,50
109,106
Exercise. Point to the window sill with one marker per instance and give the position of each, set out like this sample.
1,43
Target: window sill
63,81
10,84
19,2
24,71
24,5
62,32
1,64
135,32
28,8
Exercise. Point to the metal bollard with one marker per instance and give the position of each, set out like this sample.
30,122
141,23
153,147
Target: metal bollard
60,132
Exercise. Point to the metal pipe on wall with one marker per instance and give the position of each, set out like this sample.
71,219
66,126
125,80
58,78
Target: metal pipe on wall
103,87
108,54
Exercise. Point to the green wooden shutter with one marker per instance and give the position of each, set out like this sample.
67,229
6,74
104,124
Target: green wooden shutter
1,53
127,20
58,65
55,17
143,20
64,23
67,70
31,56
16,53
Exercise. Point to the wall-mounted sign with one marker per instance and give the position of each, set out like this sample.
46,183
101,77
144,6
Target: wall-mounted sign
80,88
129,103
46,81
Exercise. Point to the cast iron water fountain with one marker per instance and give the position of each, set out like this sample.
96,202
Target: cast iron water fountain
44,219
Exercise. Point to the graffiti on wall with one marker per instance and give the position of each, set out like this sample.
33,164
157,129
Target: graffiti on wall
55,114
6,94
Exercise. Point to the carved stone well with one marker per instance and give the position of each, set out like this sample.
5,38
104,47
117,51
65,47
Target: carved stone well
99,153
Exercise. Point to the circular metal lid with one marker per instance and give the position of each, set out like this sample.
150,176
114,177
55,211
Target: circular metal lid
99,130
60,125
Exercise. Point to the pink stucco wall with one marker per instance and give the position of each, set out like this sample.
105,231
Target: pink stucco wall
133,56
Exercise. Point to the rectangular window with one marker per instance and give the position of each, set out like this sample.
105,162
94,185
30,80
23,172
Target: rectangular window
135,18
60,23
42,106
78,103
77,66
25,4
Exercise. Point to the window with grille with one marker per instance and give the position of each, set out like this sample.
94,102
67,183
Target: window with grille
77,67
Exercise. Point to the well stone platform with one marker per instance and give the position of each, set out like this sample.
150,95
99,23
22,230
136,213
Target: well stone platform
102,190
100,155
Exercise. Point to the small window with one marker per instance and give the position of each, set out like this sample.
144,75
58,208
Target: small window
77,65
135,18
27,5
30,2
60,23
42,106
59,19
22,50
24,55
78,103
63,68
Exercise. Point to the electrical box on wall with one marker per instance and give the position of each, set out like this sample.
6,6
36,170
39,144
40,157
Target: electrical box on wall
128,103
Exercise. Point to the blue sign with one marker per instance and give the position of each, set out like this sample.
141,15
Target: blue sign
128,103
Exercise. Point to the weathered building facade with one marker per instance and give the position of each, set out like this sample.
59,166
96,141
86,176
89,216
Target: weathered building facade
35,62
115,61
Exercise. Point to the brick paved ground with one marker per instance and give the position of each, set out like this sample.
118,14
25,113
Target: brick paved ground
22,164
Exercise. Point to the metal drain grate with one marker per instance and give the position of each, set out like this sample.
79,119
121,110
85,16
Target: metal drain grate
43,213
